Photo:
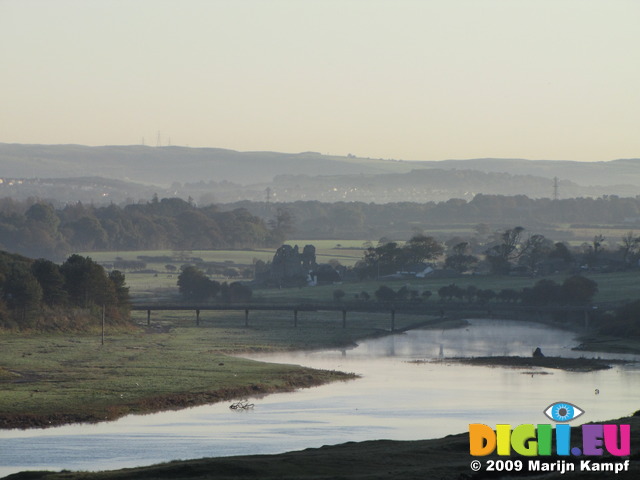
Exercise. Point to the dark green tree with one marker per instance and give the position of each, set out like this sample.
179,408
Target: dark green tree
578,289
385,294
87,283
51,281
22,293
560,251
118,280
421,248
194,285
460,260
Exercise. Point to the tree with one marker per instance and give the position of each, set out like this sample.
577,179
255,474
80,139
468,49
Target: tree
598,240
470,293
460,260
380,260
86,282
625,322
51,281
485,296
508,295
448,292
338,295
503,253
544,292
235,292
389,257
22,292
534,249
282,225
118,280
578,289
403,293
43,213
561,252
194,285
629,247
385,294
87,233
420,248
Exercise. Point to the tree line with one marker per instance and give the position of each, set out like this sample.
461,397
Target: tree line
195,286
503,252
35,228
40,294
369,220
574,290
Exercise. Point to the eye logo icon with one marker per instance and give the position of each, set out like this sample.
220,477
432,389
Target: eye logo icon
563,412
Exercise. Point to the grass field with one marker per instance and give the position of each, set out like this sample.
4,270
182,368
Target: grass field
51,379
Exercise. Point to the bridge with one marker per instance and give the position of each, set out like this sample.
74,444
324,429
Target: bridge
428,309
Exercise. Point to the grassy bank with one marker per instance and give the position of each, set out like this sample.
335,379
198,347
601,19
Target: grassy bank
50,379
446,459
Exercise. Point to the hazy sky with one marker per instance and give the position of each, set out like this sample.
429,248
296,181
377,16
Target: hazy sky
414,80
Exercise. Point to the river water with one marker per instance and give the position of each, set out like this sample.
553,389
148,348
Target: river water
395,398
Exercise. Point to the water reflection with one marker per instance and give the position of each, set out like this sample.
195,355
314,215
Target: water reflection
393,399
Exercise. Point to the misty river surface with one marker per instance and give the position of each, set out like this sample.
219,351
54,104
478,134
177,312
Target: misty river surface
393,399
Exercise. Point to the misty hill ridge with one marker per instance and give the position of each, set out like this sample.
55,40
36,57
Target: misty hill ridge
166,165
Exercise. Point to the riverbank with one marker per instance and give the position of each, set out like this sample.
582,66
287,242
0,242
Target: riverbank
560,363
444,458
54,379
593,343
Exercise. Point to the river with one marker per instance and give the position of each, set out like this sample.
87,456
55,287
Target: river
395,398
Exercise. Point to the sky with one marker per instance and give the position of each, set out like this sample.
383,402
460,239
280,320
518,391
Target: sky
395,79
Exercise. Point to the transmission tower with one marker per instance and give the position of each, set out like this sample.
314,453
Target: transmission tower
555,188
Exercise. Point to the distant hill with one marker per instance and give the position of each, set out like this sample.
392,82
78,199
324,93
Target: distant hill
118,173
431,184
615,172
166,165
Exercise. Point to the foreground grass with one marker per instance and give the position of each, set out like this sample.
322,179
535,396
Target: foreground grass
51,379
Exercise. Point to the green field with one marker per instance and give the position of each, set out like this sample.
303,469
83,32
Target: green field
613,287
162,282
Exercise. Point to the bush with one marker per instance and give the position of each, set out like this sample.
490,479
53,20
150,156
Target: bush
385,294
338,295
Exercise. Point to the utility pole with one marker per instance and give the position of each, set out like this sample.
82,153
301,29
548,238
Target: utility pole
103,309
